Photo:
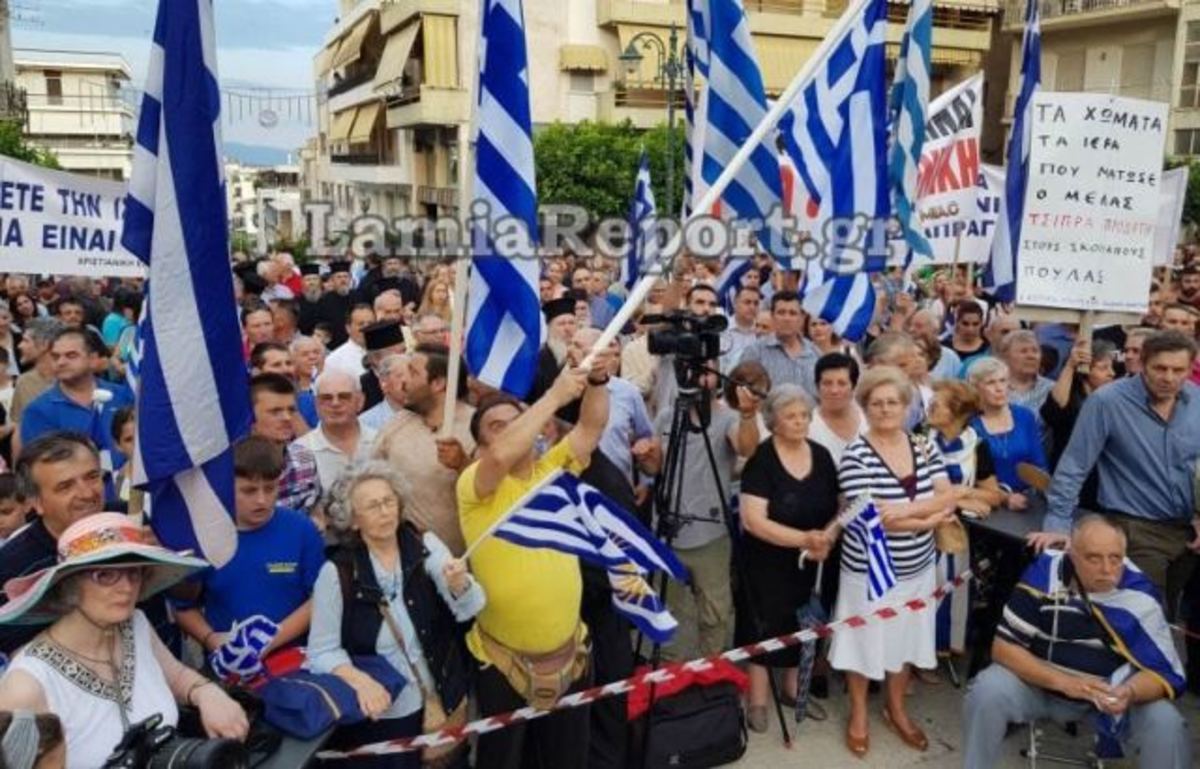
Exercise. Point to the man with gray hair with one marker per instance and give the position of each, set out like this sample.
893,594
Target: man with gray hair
338,438
392,372
34,350
1083,635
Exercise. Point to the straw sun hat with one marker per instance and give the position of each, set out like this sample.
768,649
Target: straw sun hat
103,540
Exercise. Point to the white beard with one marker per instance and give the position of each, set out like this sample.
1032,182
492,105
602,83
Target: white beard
558,348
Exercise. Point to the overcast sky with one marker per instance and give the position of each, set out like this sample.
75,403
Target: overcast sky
261,43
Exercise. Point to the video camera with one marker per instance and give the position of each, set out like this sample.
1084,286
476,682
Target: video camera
150,745
687,336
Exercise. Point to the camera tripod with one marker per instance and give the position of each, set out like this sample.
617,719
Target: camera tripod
694,399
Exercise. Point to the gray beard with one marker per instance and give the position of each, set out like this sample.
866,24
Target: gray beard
558,348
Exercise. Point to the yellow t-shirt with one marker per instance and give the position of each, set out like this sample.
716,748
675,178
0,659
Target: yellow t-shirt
533,594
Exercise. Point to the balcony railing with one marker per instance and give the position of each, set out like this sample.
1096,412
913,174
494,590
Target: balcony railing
350,80
953,14
358,159
79,102
1014,11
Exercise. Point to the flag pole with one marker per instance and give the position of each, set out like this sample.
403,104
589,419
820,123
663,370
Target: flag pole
462,260
518,505
713,194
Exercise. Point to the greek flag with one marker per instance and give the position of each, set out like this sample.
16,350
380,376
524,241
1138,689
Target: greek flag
504,318
565,514
881,573
734,102
730,280
192,397
689,120
836,136
910,104
1000,276
642,252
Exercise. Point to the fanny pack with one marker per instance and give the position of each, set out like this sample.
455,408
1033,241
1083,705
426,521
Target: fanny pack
540,679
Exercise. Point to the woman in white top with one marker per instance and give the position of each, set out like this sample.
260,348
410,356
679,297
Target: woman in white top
100,667
837,421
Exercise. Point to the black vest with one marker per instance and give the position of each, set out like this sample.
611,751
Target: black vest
441,636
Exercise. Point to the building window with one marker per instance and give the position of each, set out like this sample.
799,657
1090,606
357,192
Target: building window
54,90
1187,141
583,82
1137,70
1189,89
1068,75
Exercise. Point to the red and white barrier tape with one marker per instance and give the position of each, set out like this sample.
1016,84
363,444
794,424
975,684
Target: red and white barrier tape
658,676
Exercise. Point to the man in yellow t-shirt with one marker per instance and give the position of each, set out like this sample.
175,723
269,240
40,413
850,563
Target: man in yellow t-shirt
533,595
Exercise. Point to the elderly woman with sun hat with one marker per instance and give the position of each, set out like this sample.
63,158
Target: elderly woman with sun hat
100,667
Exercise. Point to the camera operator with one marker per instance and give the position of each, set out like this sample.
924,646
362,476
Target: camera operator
99,667
702,302
701,538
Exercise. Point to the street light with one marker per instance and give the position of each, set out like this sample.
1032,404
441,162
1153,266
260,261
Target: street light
669,70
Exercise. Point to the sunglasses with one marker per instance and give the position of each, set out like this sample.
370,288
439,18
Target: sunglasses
110,577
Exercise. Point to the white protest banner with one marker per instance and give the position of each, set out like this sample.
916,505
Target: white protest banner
1091,205
58,223
1170,212
947,198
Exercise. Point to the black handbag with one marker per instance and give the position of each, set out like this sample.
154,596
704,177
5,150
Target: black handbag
699,727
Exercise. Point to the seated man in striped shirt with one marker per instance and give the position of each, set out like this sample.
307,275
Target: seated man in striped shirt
1083,635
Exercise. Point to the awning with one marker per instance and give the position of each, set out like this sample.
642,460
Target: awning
351,47
364,124
395,55
582,58
781,58
324,58
440,46
342,123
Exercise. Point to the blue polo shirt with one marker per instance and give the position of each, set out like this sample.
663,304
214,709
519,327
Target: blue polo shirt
53,410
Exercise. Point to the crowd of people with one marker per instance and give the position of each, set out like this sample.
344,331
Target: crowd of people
355,505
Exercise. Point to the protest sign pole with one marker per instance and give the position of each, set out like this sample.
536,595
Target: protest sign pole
713,194
462,261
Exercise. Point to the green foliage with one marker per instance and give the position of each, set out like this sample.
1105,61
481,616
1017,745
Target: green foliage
594,165
13,144
1191,201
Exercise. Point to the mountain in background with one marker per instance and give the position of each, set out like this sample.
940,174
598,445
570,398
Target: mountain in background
257,154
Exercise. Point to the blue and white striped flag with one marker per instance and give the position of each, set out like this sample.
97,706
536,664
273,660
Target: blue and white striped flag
881,572
565,514
192,397
504,325
836,136
642,252
1000,276
730,281
910,105
734,102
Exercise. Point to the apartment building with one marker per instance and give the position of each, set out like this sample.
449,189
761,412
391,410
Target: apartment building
78,108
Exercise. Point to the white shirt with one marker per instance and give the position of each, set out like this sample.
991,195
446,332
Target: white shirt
820,432
332,461
377,417
92,723
348,358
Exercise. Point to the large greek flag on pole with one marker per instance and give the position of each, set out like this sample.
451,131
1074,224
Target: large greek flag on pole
836,136
565,514
642,253
504,318
192,397
733,104
881,572
1000,277
910,105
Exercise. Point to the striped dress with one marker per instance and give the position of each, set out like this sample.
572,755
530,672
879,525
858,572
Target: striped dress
862,471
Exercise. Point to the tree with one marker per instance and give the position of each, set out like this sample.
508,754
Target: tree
594,165
14,145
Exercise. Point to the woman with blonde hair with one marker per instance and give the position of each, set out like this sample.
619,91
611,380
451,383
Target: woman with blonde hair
436,300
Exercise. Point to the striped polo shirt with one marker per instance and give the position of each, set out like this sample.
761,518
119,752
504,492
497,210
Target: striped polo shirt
863,472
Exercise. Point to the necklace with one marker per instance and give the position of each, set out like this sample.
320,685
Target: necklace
80,655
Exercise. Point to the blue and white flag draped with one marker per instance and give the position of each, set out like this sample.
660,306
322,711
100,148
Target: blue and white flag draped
504,325
642,252
910,105
1000,277
1133,618
192,397
881,572
567,515
734,102
835,133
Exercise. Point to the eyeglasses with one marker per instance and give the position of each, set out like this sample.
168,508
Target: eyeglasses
882,405
110,577
378,505
339,397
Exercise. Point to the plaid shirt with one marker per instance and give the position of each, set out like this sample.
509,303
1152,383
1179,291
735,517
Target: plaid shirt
299,486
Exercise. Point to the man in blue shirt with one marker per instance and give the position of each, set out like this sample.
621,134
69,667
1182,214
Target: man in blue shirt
279,554
78,402
1142,434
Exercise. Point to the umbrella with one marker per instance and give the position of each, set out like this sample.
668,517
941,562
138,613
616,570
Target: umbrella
810,616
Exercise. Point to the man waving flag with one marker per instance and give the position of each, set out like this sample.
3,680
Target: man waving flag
504,318
192,397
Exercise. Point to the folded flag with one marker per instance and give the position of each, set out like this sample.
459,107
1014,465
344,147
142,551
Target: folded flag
241,656
565,514
881,572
